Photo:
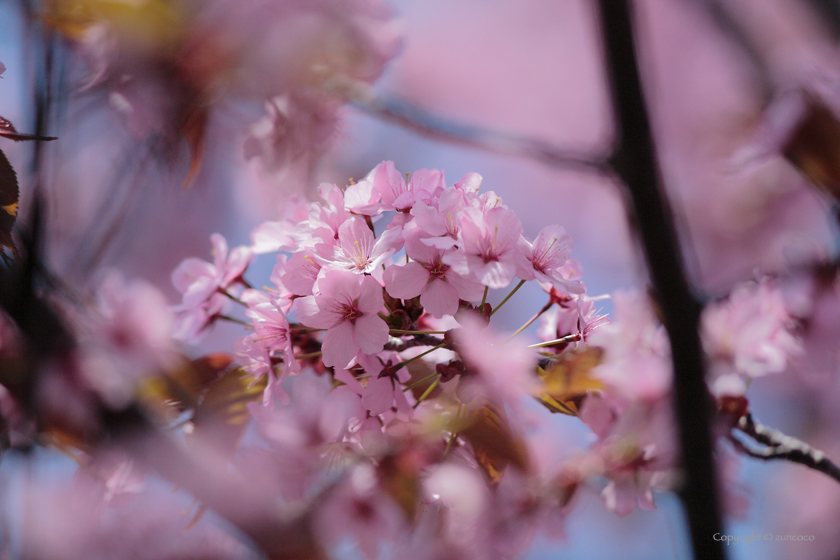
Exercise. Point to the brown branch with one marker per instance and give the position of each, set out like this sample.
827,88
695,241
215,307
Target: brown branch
781,446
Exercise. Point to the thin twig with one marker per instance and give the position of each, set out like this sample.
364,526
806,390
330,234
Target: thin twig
781,446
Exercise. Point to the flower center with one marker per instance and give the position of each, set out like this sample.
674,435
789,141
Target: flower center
437,269
350,313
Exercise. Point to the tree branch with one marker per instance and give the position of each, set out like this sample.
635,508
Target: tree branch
403,113
781,446
636,165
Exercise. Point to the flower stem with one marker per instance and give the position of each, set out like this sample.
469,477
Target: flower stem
484,297
232,298
418,356
454,434
234,320
570,338
420,382
504,301
427,392
308,356
545,308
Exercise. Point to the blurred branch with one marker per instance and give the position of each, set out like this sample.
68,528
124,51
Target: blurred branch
403,113
780,446
733,29
829,12
636,165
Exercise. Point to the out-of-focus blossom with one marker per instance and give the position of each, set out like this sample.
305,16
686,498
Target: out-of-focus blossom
747,335
203,285
637,355
546,256
130,337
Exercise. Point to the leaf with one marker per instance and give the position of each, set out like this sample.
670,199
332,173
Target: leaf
9,197
494,444
399,476
7,130
814,147
182,389
568,381
222,416
194,131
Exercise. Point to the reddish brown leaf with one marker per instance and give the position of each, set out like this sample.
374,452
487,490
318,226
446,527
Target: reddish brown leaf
222,415
182,389
9,197
814,147
494,444
194,131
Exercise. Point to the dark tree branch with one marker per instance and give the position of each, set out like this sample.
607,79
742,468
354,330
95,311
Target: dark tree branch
781,446
636,165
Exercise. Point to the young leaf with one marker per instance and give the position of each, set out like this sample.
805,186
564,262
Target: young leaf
222,416
568,381
494,444
9,196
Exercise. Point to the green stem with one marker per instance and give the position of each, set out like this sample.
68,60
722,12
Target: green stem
504,301
531,320
427,392
569,338
308,356
234,320
454,434
484,298
420,382
232,298
418,356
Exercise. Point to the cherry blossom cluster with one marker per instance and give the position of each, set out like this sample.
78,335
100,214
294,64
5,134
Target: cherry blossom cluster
380,295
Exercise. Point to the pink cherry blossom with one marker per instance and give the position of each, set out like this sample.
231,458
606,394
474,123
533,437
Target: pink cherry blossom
439,222
546,256
747,335
299,274
346,304
357,249
505,369
489,250
201,282
430,278
398,195
271,331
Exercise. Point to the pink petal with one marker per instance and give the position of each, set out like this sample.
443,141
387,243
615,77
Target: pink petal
339,347
379,395
405,282
313,316
370,333
469,182
468,289
300,272
189,271
439,298
341,285
370,298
